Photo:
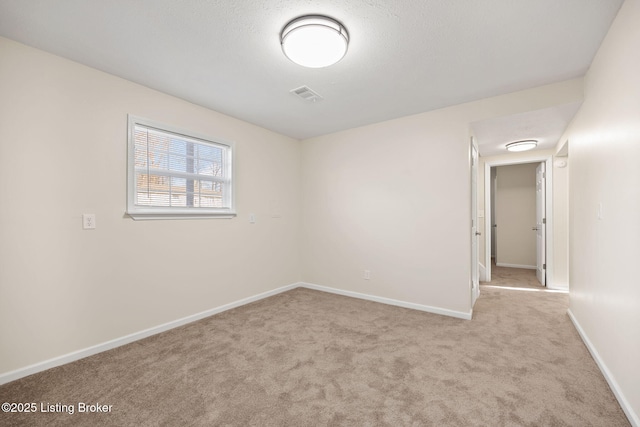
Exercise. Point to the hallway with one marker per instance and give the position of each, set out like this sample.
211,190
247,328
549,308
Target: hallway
513,277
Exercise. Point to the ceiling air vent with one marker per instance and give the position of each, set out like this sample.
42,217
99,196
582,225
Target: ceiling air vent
307,94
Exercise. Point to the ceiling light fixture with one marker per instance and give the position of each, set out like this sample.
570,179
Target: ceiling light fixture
524,145
314,41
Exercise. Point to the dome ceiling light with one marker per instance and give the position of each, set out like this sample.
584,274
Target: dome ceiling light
524,145
314,41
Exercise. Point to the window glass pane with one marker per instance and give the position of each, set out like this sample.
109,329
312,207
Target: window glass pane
141,155
206,188
178,199
210,202
178,184
157,183
159,199
178,146
205,167
177,163
172,170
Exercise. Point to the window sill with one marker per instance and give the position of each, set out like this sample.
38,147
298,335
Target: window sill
175,215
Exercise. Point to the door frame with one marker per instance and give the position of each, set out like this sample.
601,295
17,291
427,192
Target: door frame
533,158
475,230
541,223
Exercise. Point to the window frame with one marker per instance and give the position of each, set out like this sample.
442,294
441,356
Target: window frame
166,212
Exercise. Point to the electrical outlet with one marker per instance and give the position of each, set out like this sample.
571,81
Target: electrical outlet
367,275
88,221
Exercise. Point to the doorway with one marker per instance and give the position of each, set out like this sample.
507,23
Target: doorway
491,232
515,229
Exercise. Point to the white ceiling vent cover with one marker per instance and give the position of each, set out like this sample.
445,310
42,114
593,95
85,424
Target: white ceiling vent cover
307,94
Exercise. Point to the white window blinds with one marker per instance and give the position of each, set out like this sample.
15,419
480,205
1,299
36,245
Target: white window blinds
172,173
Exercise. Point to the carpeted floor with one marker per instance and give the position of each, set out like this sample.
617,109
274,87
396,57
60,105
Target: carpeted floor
514,277
308,358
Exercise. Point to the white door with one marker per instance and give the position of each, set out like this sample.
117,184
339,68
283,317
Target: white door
541,225
475,272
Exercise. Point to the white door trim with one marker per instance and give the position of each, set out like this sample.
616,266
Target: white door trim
549,208
541,223
475,258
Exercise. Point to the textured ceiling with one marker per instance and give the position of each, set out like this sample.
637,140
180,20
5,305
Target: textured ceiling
546,126
405,57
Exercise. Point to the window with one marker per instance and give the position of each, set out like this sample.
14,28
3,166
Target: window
173,174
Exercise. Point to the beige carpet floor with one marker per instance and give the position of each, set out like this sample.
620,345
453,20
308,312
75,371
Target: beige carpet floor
514,277
308,358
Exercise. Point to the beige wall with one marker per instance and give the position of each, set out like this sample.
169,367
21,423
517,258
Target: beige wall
561,224
63,146
604,148
516,215
393,198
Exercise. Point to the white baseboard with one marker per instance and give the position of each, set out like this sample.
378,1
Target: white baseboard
528,267
389,301
559,287
482,272
98,348
613,384
90,351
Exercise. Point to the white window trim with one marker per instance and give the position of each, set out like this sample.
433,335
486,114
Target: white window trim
144,213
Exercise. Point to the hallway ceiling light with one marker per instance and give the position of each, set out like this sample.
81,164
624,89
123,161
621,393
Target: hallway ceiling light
314,41
524,145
